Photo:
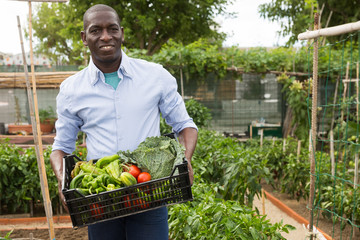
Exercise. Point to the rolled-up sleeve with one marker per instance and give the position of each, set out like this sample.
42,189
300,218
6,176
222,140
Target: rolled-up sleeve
67,125
172,105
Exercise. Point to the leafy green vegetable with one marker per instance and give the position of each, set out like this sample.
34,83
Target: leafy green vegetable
156,155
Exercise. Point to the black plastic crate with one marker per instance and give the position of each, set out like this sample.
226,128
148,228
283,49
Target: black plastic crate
86,210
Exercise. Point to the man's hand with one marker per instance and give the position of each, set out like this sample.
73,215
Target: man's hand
188,138
62,197
191,173
56,160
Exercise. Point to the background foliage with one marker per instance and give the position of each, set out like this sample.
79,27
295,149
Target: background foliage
296,16
148,24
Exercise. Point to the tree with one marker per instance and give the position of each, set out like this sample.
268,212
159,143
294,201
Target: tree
59,33
148,24
296,16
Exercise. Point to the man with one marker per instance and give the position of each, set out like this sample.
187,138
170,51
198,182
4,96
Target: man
116,101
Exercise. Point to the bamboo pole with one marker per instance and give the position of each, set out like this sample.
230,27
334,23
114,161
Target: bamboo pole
345,89
331,133
327,24
356,181
261,137
284,145
181,78
37,134
298,151
313,126
356,170
36,130
357,92
263,201
335,97
330,31
332,155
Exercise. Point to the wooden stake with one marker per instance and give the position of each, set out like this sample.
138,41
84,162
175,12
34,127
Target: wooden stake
263,201
335,97
327,24
313,126
356,172
332,155
36,130
261,137
251,131
38,142
181,78
310,146
345,89
356,182
284,145
356,176
298,150
357,92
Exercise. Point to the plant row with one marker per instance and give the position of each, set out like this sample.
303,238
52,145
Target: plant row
227,180
336,197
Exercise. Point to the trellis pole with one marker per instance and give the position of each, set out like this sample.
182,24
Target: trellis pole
313,126
298,151
332,155
345,82
331,31
36,123
356,168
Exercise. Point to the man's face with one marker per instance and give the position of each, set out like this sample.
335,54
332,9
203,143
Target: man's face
103,35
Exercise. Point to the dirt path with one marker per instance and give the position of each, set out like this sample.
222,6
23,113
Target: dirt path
274,214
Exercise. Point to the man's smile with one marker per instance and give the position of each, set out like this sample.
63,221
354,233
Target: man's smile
107,47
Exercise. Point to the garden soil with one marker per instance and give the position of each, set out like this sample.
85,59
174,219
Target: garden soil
300,207
64,230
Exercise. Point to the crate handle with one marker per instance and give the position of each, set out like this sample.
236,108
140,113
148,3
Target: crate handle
184,164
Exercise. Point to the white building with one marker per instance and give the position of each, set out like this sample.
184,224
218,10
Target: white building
17,59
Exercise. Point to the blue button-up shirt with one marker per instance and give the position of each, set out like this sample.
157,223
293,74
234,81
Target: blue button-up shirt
118,119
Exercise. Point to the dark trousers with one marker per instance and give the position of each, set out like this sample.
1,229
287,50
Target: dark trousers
150,225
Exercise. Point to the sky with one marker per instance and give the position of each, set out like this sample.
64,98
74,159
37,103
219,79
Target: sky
246,30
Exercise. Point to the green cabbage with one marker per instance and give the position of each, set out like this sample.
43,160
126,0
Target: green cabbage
156,155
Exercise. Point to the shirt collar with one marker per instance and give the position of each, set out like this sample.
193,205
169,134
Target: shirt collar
124,69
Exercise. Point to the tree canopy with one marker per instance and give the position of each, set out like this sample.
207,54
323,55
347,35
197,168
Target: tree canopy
296,16
148,24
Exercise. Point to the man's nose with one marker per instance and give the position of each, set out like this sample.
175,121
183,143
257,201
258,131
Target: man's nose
105,36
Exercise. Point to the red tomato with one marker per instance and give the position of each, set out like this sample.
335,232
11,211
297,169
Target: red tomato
134,170
135,203
96,210
143,177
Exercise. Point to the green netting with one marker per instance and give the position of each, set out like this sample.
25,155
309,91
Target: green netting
337,189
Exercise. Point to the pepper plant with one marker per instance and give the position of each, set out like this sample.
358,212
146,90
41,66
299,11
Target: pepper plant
209,217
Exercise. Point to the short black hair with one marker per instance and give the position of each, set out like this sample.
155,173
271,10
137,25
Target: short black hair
98,8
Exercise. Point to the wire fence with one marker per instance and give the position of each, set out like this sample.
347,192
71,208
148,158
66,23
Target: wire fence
336,149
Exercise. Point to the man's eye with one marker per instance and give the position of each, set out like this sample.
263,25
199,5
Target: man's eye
94,30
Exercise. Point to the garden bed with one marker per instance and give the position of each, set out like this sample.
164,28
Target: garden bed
300,207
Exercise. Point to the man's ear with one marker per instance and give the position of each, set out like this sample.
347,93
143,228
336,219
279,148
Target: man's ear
122,35
83,38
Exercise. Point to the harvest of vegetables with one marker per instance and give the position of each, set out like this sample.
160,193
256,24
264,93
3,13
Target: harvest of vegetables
154,158
92,178
156,155
152,176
